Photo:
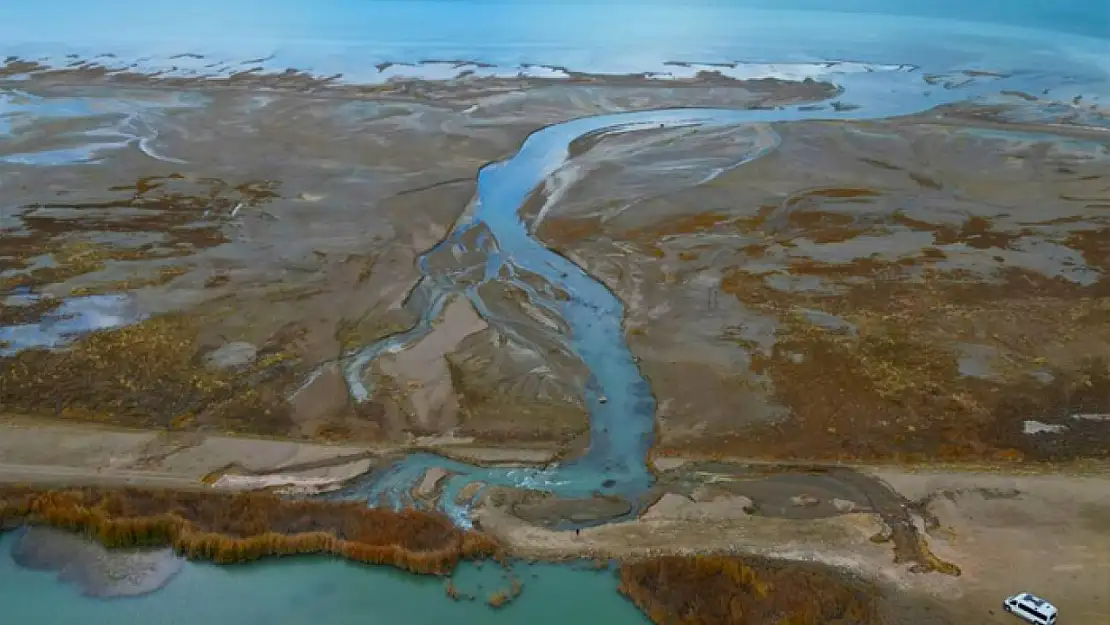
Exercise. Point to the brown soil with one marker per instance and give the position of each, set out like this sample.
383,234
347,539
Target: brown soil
149,374
228,528
677,590
895,391
921,236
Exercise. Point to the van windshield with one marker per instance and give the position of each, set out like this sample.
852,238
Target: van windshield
1040,617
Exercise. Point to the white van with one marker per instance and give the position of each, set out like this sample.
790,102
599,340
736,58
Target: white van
1031,608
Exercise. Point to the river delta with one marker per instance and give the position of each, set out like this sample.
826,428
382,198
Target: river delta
836,312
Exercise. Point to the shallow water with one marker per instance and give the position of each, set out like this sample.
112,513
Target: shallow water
75,316
295,591
353,37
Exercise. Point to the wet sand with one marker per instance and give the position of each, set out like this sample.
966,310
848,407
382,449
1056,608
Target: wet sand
910,289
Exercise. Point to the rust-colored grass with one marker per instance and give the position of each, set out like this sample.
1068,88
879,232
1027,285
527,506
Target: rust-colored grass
241,527
186,211
894,389
148,374
733,590
505,596
162,276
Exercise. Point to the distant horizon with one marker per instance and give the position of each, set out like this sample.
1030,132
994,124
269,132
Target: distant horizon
1090,18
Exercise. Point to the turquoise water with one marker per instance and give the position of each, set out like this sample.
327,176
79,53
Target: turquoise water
351,37
319,591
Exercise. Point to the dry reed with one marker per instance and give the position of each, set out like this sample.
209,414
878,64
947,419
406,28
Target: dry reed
241,527
731,590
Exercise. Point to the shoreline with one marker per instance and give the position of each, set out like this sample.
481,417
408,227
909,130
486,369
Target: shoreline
787,512
225,528
455,90
468,451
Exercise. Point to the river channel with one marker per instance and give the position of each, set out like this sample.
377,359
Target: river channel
493,242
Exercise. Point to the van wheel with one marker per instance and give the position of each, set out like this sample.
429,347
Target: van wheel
1006,606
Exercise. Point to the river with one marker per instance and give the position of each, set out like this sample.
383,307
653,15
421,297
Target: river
586,316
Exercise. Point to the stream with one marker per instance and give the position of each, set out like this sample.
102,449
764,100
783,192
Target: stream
492,242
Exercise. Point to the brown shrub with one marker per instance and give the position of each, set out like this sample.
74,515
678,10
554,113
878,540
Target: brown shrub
241,527
730,590
148,374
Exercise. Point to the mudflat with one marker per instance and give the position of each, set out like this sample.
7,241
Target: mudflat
883,289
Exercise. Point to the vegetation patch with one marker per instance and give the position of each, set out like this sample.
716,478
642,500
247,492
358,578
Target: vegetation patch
162,276
735,590
947,366
241,527
150,374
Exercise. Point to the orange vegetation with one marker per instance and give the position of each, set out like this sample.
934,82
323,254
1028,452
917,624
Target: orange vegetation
566,230
684,224
894,387
240,527
149,374
506,596
729,590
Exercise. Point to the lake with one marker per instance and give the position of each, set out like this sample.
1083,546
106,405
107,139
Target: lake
321,591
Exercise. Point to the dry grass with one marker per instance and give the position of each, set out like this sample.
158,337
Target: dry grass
892,389
69,260
372,327
148,374
491,415
163,275
505,596
183,215
241,527
733,590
